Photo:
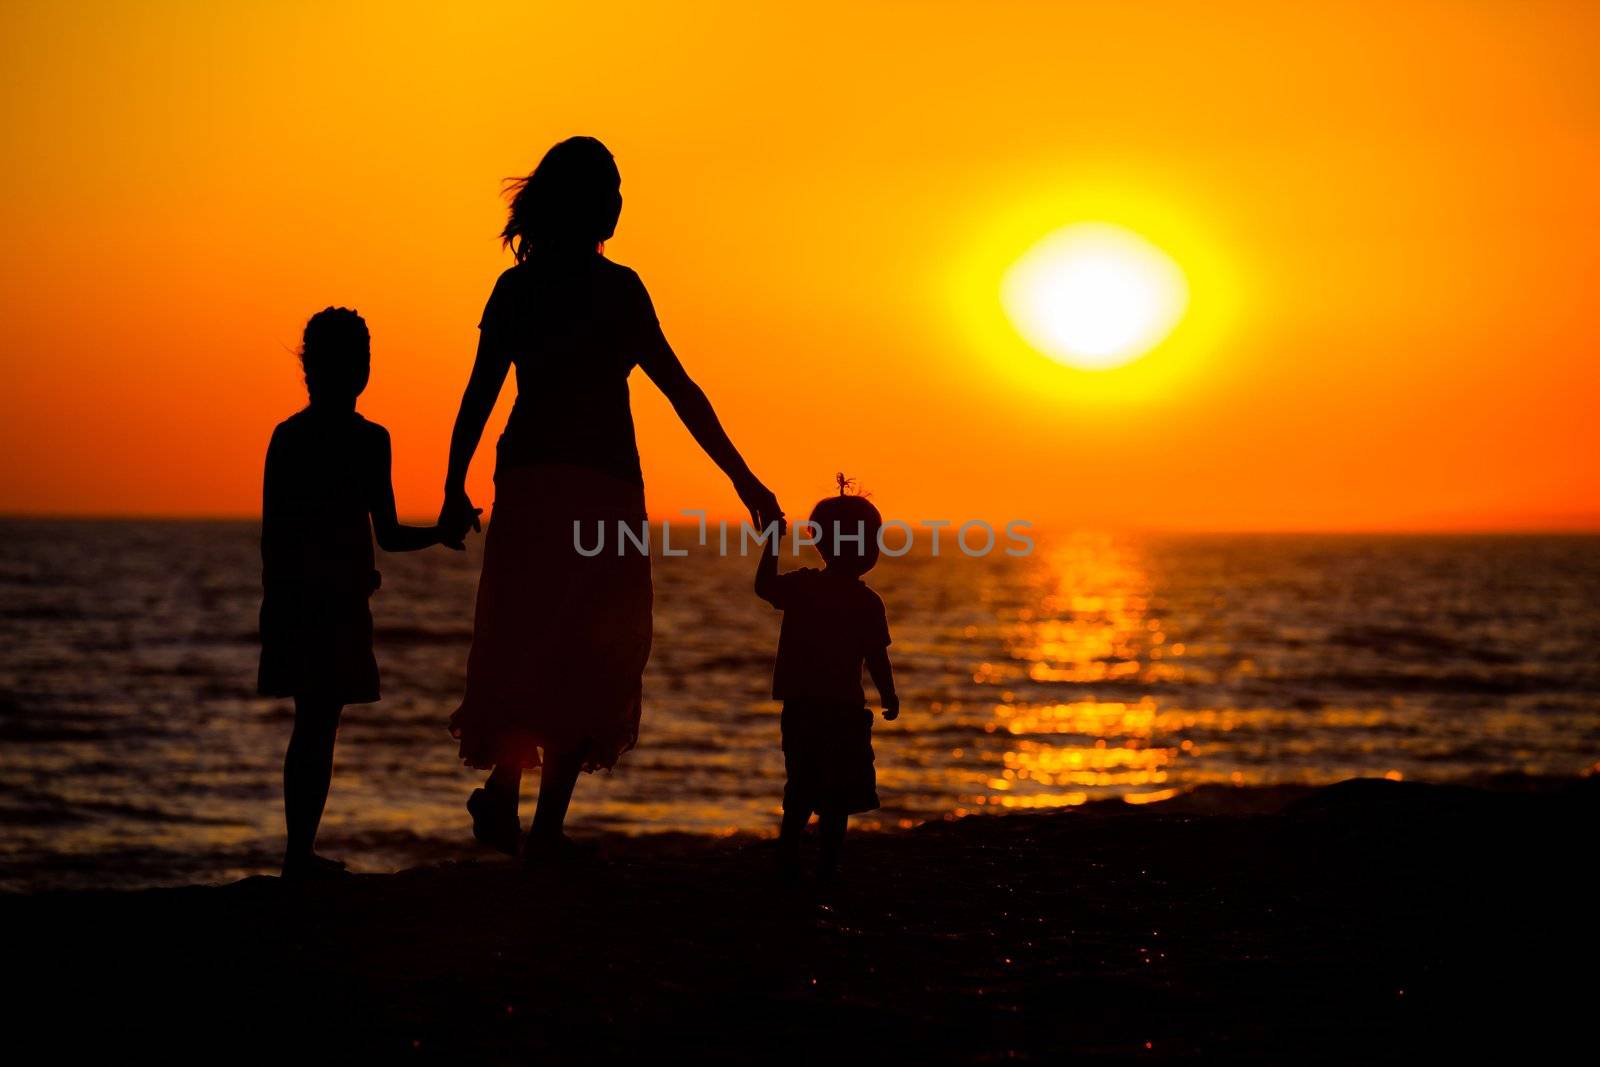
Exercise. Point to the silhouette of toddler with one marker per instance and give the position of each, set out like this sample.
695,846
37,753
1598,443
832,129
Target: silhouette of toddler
832,625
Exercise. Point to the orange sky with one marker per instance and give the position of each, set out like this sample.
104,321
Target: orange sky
1388,215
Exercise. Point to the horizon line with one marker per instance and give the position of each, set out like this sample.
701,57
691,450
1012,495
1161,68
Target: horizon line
1581,526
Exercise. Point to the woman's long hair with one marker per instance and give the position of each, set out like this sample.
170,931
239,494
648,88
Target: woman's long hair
570,202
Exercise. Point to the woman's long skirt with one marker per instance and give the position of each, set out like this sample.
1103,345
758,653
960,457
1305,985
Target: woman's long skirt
560,639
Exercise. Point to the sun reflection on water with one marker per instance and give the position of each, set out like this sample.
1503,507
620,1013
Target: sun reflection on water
1057,753
1093,619
1117,681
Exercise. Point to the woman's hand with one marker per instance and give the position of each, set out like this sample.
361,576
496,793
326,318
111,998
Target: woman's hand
760,502
456,517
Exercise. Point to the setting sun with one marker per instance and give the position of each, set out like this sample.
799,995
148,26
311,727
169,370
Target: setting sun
1094,296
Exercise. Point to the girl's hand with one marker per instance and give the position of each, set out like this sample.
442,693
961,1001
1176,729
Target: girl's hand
760,502
891,709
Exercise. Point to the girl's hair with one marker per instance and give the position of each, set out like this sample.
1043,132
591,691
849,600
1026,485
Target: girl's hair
336,352
839,520
570,201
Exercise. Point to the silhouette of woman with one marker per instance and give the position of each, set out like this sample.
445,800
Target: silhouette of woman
560,640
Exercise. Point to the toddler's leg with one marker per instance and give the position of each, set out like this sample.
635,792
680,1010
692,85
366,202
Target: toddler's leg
790,833
307,773
830,828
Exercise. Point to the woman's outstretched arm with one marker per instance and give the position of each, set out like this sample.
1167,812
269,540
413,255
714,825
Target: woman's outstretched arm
483,389
661,363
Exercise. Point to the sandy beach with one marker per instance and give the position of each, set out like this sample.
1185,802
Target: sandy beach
1371,919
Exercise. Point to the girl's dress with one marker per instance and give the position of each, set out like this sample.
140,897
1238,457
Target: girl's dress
317,560
561,638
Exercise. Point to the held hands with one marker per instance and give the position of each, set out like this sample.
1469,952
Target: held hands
456,542
456,517
760,502
891,708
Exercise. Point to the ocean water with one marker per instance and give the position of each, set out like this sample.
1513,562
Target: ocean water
136,752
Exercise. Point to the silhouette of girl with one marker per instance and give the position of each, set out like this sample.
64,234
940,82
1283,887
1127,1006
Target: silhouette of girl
326,492
560,640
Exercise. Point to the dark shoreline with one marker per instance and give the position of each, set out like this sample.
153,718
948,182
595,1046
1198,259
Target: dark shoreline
1370,919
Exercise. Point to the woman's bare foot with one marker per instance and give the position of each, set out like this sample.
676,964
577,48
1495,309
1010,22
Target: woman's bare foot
562,851
312,867
494,825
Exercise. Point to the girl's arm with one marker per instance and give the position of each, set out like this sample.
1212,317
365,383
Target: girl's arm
391,535
483,389
883,678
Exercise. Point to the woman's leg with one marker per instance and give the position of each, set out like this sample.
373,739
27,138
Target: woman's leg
831,828
494,810
307,773
557,779
505,785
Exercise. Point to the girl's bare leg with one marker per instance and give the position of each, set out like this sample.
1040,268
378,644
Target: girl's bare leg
307,774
